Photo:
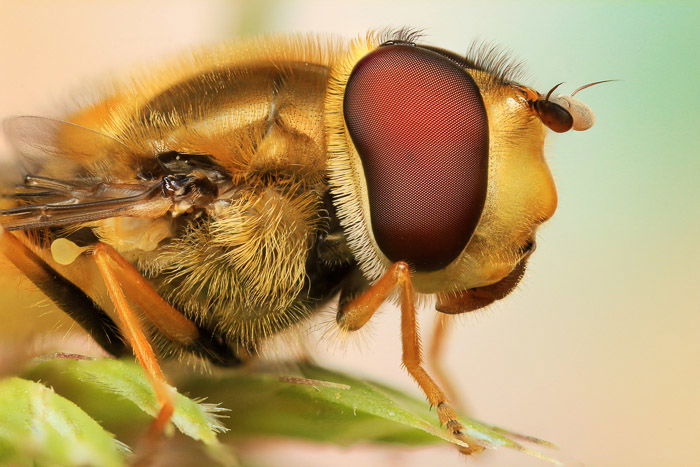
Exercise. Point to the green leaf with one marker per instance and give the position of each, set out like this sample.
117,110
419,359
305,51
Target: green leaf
39,427
322,405
309,403
100,383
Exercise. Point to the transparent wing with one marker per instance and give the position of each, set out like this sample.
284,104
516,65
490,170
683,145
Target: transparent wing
68,156
43,144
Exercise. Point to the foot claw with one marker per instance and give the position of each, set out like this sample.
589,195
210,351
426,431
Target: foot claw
448,417
472,448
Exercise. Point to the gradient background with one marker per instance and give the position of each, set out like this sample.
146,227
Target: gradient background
599,349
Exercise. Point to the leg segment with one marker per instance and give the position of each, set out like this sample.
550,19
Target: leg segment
167,319
359,310
132,329
413,362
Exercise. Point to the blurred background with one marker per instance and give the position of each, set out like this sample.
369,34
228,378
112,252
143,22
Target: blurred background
598,350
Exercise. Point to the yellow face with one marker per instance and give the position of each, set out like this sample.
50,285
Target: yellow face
521,192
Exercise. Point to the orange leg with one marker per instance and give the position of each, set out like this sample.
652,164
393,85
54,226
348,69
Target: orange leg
357,312
160,313
441,329
132,329
360,310
66,295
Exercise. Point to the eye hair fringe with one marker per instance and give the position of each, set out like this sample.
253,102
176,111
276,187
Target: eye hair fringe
481,55
403,34
496,61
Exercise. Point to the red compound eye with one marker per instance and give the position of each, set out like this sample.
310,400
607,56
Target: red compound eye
419,124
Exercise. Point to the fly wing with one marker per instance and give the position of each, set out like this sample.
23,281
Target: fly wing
62,165
57,148
80,205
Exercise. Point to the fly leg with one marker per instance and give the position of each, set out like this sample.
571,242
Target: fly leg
173,324
63,293
413,362
108,262
359,310
66,294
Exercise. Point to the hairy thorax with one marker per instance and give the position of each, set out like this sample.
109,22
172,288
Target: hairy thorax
239,266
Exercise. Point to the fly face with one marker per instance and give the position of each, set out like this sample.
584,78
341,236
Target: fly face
439,162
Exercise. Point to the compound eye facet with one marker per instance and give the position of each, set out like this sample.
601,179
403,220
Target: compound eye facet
419,124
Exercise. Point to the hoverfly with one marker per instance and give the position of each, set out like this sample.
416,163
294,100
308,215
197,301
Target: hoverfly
229,195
